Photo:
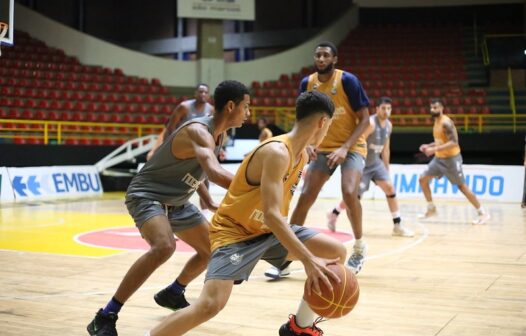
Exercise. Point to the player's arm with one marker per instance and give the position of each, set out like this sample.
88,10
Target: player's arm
203,145
386,153
177,115
157,144
274,160
204,194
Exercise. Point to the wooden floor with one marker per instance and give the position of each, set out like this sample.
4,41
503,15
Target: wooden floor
452,279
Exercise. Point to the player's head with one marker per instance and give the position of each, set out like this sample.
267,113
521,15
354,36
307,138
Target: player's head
384,107
436,107
233,98
262,122
318,108
202,93
325,57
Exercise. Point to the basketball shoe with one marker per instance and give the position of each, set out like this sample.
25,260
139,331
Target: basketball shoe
292,329
430,212
481,219
275,273
103,325
357,258
400,230
168,299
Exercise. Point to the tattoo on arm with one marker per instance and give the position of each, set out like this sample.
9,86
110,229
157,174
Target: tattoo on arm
451,132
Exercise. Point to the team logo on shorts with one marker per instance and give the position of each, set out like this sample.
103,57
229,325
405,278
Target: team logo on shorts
236,258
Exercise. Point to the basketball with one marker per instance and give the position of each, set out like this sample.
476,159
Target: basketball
341,300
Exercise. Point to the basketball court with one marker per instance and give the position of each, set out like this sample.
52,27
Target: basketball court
60,264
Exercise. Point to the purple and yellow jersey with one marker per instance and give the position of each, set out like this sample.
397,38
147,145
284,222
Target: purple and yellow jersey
348,96
441,138
240,216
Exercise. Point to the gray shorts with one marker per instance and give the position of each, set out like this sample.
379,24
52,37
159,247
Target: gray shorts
375,172
236,261
451,167
181,217
353,161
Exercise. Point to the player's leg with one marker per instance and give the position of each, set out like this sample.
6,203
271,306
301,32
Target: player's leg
433,170
155,229
387,187
318,174
455,175
323,246
351,169
213,298
190,226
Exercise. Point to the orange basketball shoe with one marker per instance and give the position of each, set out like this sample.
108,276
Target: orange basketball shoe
292,329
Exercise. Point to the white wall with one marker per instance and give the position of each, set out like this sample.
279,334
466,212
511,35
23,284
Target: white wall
93,51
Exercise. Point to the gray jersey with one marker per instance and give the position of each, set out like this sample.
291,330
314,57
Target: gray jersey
194,113
167,179
376,141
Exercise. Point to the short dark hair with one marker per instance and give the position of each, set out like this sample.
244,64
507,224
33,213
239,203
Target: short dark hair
384,100
311,102
436,101
229,90
327,44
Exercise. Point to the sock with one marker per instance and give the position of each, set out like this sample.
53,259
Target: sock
147,333
481,210
430,205
396,217
335,211
177,288
305,316
359,243
114,306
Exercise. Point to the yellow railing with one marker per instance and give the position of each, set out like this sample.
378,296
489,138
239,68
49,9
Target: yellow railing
60,131
476,123
512,99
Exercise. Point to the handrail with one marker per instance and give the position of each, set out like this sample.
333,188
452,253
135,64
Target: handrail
478,123
56,130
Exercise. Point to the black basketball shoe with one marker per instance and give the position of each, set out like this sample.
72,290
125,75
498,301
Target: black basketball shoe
103,325
168,299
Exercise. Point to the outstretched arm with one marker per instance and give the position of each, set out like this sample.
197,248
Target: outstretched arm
203,145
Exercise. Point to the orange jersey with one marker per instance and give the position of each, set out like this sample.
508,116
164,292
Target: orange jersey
344,120
441,138
240,216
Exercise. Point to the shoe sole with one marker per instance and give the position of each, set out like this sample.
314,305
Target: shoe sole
275,276
402,235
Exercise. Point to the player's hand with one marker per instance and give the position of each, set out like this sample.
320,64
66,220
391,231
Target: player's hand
317,272
429,151
423,147
311,151
336,157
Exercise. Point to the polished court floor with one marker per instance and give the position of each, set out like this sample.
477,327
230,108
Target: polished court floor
61,261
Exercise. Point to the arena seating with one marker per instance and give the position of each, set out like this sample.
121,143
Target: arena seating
409,63
38,82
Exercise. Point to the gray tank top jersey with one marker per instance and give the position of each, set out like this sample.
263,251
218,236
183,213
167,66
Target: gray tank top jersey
168,179
376,141
193,113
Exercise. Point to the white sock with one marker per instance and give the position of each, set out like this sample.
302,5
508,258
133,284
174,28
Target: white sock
339,207
359,243
305,316
481,210
147,333
430,205
396,214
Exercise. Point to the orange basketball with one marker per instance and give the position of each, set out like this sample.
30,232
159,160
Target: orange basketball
341,300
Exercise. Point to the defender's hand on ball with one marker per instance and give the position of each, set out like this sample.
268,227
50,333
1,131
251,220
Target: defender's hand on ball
316,269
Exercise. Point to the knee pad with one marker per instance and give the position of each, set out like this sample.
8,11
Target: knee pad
391,196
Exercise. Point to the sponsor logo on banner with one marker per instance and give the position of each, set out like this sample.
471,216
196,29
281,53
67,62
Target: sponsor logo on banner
51,182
